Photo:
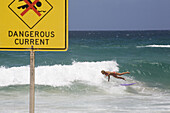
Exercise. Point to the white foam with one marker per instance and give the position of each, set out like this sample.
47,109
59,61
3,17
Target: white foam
58,75
158,46
14,76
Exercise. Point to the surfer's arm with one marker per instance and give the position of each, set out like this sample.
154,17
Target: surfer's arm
108,78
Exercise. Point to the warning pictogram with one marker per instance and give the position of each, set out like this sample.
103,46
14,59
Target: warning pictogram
31,12
31,6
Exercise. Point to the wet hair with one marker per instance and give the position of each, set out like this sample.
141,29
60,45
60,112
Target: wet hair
102,71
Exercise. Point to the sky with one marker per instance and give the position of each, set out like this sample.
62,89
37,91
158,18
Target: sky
119,14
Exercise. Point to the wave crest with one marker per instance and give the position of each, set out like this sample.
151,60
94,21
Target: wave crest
57,75
160,46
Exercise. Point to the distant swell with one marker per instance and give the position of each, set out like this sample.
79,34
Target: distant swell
159,46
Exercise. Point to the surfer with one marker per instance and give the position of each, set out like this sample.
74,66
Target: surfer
114,74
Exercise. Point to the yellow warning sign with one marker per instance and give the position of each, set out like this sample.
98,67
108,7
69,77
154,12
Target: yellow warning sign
42,24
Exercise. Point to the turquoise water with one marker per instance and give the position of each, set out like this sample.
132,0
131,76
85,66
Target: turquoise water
73,78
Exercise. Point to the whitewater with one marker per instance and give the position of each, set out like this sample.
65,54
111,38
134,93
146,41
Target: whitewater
57,75
157,46
88,73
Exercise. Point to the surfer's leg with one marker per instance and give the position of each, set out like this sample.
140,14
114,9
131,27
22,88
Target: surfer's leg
123,73
119,77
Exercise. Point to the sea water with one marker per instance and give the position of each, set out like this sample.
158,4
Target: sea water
71,82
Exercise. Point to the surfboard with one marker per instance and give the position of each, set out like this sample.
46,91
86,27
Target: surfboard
127,84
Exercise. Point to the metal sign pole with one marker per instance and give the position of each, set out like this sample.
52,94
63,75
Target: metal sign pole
32,81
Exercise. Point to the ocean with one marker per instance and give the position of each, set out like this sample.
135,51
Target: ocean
71,82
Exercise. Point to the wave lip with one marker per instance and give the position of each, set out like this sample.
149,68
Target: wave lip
157,46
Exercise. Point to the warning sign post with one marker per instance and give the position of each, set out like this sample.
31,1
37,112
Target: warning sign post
33,25
32,81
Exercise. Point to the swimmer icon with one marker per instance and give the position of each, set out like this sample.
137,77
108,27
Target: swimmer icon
38,4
